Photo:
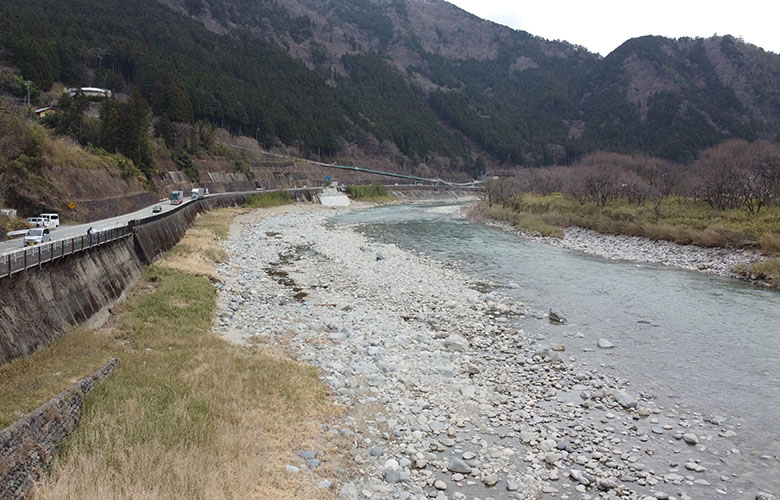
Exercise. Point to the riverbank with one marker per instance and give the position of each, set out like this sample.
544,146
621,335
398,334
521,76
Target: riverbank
718,261
728,262
445,396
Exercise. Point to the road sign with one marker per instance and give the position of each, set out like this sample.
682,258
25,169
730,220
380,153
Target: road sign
327,177
72,206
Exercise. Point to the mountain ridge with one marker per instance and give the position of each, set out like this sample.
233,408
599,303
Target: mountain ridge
429,79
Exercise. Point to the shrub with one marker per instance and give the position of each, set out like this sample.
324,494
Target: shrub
268,199
185,164
373,192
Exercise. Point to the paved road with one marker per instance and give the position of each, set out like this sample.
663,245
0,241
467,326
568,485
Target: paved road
65,232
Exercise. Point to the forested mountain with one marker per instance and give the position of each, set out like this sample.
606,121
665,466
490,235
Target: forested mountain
417,80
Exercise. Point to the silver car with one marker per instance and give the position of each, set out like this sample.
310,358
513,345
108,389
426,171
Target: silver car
36,235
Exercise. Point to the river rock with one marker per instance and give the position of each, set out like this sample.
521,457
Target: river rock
348,492
458,465
605,344
435,368
490,479
556,316
625,399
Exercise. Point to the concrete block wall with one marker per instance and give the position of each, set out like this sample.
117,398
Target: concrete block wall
28,446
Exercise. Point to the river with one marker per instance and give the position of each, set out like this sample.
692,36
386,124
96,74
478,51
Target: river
708,344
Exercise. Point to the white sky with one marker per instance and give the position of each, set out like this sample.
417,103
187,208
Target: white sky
602,25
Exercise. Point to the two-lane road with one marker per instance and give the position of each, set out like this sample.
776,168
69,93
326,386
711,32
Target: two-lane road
65,232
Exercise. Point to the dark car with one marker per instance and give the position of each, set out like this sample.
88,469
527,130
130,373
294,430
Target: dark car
156,209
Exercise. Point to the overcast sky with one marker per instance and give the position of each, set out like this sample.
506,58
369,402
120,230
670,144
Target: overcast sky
602,25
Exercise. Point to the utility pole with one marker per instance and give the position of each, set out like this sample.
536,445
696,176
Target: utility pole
28,94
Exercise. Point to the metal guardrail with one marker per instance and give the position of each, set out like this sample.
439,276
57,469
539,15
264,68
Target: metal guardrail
29,257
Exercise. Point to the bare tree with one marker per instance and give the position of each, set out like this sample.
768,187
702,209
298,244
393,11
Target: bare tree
717,175
760,180
574,186
549,180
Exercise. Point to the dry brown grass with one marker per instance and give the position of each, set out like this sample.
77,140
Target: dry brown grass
28,382
770,243
199,251
767,270
679,220
186,414
65,151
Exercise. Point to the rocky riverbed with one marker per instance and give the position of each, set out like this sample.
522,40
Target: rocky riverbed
718,261
446,396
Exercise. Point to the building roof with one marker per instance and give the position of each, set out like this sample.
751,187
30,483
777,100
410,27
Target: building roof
47,108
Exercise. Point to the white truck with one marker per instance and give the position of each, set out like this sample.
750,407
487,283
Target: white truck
199,193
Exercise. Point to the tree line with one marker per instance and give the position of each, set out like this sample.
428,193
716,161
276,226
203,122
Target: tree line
732,175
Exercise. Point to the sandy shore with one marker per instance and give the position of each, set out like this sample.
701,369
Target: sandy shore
446,397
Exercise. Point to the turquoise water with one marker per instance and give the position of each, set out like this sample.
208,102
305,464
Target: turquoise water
707,343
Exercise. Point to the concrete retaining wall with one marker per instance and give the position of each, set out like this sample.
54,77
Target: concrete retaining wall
443,193
27,447
38,305
158,234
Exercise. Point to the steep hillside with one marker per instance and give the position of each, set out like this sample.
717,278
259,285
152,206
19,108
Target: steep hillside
520,98
40,173
674,97
419,82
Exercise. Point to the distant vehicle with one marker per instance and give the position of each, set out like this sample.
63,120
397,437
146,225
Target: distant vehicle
36,221
177,197
156,209
199,193
52,220
36,236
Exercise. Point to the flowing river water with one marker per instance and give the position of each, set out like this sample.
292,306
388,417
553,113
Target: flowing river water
705,343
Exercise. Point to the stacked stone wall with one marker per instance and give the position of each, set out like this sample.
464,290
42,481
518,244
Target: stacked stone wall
28,446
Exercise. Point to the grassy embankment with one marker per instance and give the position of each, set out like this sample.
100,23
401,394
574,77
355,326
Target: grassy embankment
185,414
9,224
375,192
268,199
678,220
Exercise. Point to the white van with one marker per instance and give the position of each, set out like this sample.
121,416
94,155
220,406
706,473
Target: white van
36,221
52,220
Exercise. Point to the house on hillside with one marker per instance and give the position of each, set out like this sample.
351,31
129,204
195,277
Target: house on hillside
89,92
41,112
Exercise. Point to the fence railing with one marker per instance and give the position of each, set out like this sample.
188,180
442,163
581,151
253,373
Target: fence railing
32,256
